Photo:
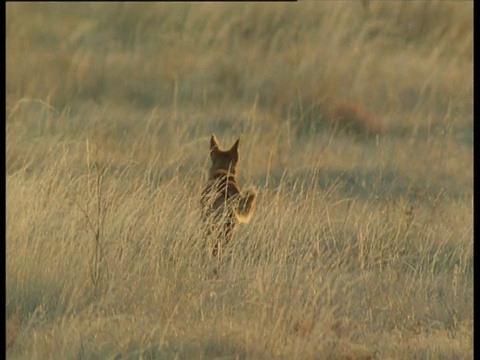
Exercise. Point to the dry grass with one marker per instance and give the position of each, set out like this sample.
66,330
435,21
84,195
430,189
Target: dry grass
362,243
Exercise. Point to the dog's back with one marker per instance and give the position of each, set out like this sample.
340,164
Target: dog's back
223,203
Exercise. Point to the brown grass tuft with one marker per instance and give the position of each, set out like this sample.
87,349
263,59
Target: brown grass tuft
352,118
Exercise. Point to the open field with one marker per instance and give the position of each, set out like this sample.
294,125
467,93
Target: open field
356,126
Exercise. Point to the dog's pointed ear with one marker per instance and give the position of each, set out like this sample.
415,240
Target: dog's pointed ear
234,150
214,147
214,142
235,146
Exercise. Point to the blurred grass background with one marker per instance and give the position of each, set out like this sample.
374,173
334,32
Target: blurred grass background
356,124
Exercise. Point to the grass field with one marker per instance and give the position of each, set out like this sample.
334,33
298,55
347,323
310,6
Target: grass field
356,125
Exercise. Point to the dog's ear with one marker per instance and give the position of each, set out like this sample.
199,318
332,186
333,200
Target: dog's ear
214,147
214,142
234,151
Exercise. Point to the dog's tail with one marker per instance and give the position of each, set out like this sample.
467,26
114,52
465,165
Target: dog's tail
246,205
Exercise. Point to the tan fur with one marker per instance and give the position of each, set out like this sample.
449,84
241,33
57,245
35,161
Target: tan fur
224,205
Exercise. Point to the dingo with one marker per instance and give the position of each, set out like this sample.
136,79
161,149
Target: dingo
224,205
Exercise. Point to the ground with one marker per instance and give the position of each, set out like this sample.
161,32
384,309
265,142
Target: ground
356,126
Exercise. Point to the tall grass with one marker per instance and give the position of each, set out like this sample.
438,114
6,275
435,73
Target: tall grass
361,245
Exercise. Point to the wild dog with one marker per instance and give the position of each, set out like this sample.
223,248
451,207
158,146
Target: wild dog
224,205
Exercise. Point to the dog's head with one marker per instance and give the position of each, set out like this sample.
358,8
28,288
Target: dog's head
223,159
